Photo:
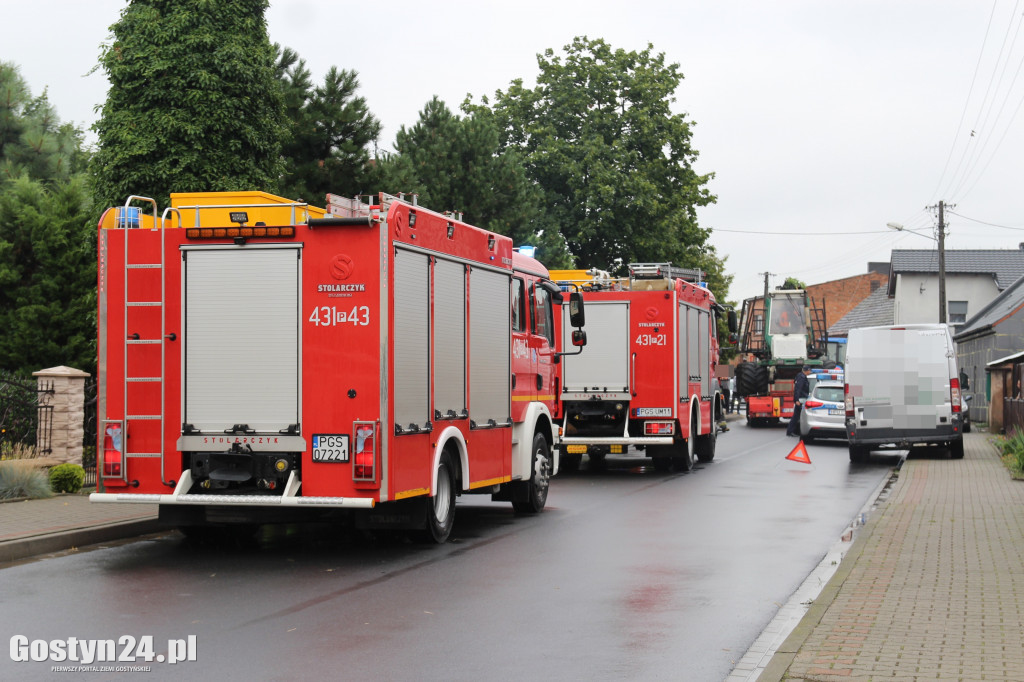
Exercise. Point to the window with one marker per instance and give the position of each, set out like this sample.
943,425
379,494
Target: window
518,306
957,312
543,316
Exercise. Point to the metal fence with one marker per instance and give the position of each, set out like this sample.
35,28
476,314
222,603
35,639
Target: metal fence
89,434
26,415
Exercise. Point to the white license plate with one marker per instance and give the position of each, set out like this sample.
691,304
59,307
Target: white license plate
653,412
837,413
330,447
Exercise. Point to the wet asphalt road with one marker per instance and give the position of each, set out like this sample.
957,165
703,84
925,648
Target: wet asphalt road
629,574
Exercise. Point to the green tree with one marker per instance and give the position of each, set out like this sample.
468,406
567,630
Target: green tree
33,141
327,145
47,236
597,134
793,283
47,275
193,104
457,163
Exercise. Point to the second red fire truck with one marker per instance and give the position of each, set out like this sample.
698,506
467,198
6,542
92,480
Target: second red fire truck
646,384
265,360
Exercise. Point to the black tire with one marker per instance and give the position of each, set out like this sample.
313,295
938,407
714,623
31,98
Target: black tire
859,453
704,448
533,494
751,379
967,427
440,507
956,449
569,463
682,459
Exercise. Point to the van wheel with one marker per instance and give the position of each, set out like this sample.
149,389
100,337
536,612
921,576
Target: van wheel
440,507
859,453
956,449
533,494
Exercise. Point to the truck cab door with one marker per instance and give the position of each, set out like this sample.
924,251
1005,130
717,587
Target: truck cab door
542,346
523,383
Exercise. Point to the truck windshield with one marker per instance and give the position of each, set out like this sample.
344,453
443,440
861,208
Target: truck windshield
787,316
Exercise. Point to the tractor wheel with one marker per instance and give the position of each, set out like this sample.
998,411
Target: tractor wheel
751,379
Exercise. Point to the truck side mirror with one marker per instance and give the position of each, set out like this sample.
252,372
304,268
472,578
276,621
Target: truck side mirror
576,316
733,324
579,337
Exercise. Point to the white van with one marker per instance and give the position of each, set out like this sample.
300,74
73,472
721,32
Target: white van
902,389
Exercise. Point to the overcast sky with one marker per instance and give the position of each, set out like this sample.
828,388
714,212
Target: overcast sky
822,121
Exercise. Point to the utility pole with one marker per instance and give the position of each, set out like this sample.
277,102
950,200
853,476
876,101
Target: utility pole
942,260
942,265
766,276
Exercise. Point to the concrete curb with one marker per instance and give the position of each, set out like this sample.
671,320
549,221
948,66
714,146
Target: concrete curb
23,548
787,651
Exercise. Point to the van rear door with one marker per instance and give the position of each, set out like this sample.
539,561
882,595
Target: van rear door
902,378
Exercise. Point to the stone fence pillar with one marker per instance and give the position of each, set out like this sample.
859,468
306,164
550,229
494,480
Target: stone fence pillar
68,411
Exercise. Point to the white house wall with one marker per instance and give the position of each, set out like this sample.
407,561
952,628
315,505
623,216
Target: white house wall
917,295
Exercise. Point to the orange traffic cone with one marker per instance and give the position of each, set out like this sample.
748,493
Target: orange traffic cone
799,453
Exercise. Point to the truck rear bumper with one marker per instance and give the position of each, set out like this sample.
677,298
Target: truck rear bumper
618,440
289,498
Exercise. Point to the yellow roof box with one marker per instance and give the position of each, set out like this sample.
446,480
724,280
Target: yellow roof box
207,209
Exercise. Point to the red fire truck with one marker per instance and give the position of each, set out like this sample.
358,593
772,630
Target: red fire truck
262,360
647,378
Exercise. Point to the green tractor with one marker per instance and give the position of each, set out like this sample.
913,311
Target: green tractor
782,331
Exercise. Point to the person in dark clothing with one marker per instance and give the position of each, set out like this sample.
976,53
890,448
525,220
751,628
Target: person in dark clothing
801,389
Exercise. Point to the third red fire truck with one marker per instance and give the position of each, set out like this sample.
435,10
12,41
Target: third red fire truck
646,384
264,360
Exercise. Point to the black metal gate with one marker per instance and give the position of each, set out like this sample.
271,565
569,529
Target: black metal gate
26,415
89,434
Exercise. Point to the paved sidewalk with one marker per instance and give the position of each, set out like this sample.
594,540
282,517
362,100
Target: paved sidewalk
32,527
933,587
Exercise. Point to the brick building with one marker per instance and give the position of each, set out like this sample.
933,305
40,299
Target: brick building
843,295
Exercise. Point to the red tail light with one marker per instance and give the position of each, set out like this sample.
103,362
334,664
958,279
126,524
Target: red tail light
659,428
364,458
814,403
113,452
848,399
954,394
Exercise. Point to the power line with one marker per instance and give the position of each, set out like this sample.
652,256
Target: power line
982,222
795,234
983,132
967,101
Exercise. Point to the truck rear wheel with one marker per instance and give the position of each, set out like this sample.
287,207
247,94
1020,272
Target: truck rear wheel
705,445
531,496
569,463
684,462
440,507
956,449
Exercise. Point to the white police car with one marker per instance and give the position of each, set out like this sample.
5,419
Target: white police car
824,412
